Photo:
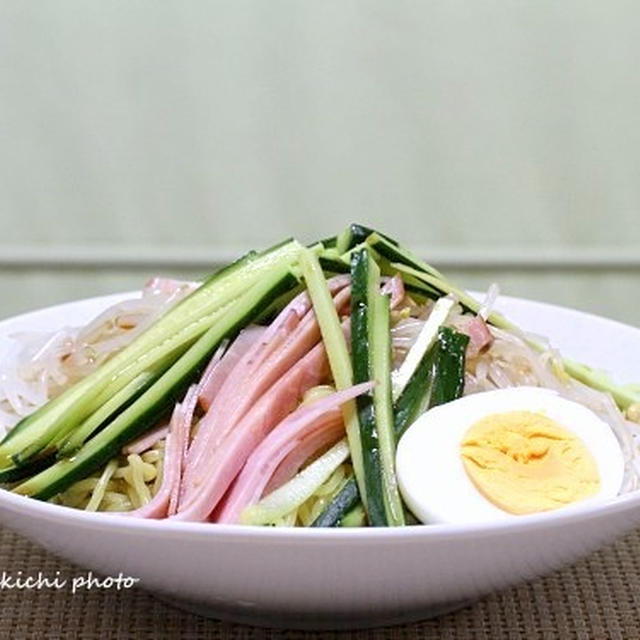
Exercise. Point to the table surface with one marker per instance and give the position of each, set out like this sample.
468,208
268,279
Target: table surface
598,597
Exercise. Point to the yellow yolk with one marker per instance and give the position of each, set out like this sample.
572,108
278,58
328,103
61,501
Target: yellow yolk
523,462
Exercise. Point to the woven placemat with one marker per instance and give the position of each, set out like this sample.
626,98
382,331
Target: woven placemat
597,598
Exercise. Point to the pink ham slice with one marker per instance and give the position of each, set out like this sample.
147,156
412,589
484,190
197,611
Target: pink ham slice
271,339
479,336
228,394
213,374
220,367
165,501
287,320
211,481
319,417
245,385
146,441
308,447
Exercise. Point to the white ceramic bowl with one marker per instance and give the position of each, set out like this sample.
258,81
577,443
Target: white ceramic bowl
338,578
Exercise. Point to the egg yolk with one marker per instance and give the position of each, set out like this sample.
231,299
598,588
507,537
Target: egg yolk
523,462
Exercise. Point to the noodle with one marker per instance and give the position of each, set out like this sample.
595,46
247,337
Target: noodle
309,510
126,482
101,486
136,473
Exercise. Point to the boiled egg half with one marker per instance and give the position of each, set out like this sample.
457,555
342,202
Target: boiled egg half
502,454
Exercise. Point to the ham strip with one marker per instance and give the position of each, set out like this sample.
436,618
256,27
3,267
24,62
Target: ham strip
213,479
271,339
141,444
479,336
287,320
165,500
221,366
296,459
254,476
245,386
227,400
319,416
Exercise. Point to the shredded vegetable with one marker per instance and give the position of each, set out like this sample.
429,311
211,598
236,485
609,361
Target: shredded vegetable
265,431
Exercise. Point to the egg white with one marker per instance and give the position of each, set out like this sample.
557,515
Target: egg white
429,467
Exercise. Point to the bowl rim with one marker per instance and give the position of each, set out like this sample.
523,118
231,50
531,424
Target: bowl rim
593,510
173,528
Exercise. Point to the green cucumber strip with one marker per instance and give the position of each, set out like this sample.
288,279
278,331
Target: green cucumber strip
439,378
416,269
173,334
331,261
356,234
624,396
71,407
67,446
267,315
365,284
380,357
330,242
346,499
343,241
417,288
360,233
67,397
333,265
414,399
427,336
395,253
411,283
355,518
15,474
448,370
445,287
143,413
337,352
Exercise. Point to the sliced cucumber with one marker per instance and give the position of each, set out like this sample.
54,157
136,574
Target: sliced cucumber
354,518
371,355
332,265
438,378
346,499
395,253
365,284
414,399
448,370
162,343
329,242
356,234
337,352
143,413
381,368
68,445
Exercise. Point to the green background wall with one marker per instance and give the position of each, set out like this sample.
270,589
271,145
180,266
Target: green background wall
499,139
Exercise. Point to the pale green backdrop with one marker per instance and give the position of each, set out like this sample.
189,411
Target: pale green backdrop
499,139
